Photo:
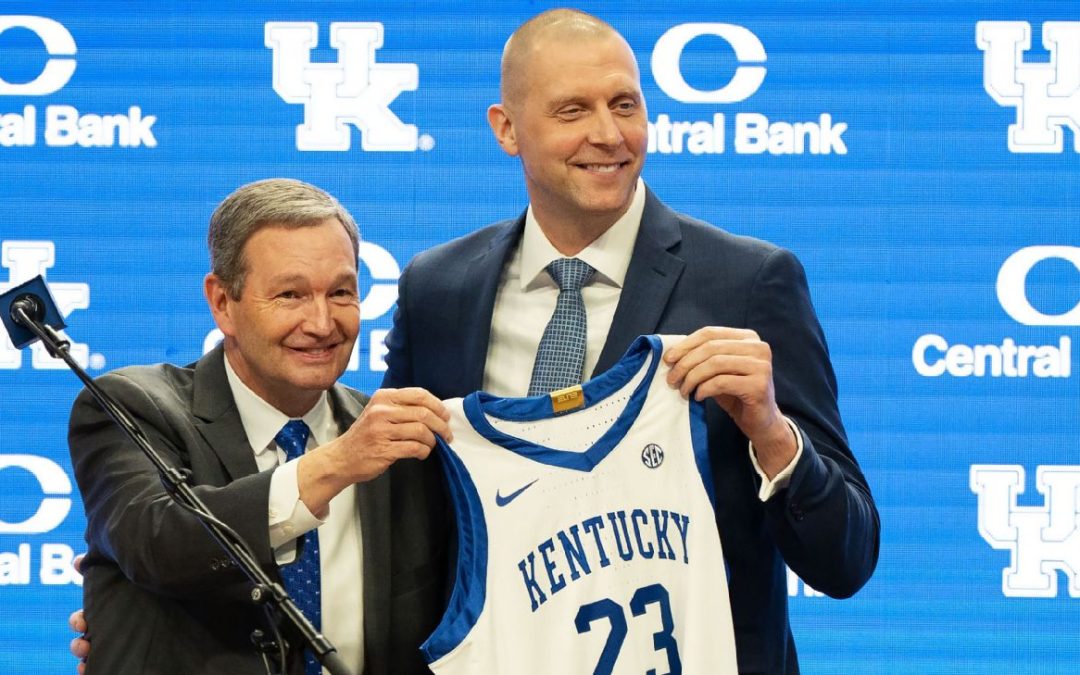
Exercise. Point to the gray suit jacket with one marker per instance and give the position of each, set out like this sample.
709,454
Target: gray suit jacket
685,274
162,597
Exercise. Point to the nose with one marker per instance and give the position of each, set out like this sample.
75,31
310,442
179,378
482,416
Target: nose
605,129
318,319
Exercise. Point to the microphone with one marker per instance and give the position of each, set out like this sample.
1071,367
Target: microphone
29,309
29,306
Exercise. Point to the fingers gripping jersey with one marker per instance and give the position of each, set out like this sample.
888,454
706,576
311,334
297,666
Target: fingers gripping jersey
587,539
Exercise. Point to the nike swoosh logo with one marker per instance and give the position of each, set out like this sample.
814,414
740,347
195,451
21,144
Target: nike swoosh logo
503,501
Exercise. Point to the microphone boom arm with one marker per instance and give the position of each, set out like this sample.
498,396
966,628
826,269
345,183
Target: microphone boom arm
265,589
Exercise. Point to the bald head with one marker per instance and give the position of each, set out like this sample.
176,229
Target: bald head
556,25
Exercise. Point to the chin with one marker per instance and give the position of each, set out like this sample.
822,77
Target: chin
317,381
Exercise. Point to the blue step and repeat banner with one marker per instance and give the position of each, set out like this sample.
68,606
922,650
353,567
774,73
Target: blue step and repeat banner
921,158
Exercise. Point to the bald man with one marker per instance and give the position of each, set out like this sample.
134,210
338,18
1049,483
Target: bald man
471,313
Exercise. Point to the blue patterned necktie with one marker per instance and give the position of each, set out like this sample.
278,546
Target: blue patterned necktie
301,577
561,354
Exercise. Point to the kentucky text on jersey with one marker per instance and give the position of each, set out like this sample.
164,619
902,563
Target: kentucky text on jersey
611,535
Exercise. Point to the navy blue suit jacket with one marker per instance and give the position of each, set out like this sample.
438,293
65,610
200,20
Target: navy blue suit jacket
685,274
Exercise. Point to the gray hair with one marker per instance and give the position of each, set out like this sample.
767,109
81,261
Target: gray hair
274,202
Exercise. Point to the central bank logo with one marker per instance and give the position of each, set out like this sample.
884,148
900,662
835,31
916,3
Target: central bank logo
1042,540
748,133
55,489
933,355
59,45
1046,96
667,63
24,261
355,91
61,125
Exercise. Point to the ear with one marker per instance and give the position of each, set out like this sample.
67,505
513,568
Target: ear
217,296
503,128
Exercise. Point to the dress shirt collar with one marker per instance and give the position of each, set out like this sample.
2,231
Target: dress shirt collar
263,421
609,255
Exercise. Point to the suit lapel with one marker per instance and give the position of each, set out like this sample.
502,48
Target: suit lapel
218,419
373,505
650,279
476,292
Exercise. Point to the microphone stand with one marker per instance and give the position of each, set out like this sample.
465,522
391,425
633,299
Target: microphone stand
265,591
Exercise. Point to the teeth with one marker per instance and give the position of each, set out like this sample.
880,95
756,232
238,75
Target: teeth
602,168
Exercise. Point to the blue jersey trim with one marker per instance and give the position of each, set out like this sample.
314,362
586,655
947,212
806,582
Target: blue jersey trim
480,404
470,581
699,437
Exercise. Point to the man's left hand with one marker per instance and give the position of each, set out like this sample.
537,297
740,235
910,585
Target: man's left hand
733,366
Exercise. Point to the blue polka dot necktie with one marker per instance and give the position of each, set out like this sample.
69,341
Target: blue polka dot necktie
561,354
301,577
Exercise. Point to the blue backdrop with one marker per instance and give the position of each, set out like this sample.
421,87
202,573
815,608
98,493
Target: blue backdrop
919,157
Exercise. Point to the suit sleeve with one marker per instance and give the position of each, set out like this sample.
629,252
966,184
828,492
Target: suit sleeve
131,520
398,366
825,523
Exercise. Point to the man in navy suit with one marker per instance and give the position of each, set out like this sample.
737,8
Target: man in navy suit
471,312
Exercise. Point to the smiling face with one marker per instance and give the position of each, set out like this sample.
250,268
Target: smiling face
290,333
579,126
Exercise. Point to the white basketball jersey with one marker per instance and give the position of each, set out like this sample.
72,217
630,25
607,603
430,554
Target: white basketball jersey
587,539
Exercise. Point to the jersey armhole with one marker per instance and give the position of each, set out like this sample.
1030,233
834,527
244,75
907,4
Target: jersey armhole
468,596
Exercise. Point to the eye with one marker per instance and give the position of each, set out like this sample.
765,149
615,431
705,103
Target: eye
288,295
570,113
626,107
344,294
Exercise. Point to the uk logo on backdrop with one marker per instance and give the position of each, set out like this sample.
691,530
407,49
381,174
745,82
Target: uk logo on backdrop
355,91
24,261
1042,540
1046,95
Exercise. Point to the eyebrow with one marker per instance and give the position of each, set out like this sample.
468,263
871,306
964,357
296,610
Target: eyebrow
285,279
584,101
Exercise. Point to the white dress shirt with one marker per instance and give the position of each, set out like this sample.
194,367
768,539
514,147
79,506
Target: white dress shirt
340,544
526,299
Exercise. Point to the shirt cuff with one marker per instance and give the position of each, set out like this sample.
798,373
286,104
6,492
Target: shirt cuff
780,481
289,517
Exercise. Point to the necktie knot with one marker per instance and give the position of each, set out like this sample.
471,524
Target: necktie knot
293,438
570,273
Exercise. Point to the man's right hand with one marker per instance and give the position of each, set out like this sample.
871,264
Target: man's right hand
395,424
80,646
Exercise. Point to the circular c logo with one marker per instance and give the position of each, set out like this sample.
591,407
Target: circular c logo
53,481
667,56
1012,285
58,42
